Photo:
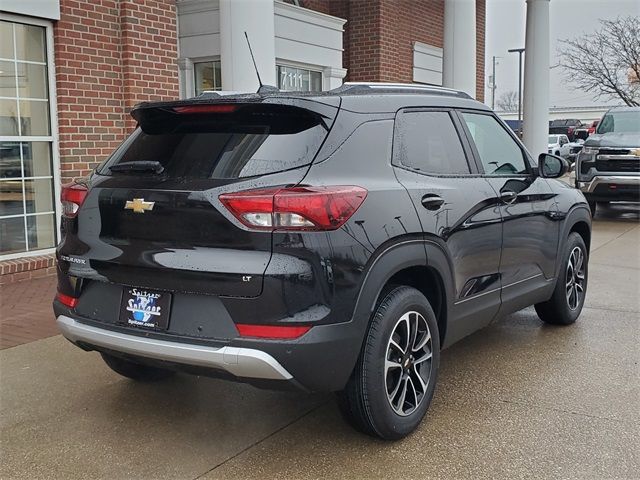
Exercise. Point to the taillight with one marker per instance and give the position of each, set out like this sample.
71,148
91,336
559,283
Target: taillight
272,331
295,208
72,197
67,300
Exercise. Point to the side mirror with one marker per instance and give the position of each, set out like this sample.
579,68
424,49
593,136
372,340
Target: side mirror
552,166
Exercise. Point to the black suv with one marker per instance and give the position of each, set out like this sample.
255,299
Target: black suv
330,241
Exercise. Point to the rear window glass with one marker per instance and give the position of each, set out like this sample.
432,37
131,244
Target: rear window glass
428,142
624,121
220,148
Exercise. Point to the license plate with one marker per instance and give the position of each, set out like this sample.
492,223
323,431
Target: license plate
144,308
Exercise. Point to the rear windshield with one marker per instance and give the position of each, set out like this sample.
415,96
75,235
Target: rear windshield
223,146
623,121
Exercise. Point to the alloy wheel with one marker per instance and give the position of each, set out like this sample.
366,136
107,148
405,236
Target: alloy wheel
575,278
408,363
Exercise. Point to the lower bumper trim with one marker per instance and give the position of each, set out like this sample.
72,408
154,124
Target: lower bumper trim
589,187
241,362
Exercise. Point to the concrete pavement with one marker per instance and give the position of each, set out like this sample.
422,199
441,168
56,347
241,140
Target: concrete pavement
516,400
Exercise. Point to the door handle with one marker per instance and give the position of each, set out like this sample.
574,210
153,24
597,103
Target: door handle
508,197
432,202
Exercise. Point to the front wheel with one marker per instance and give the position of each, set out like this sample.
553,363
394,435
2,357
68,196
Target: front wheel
393,382
564,307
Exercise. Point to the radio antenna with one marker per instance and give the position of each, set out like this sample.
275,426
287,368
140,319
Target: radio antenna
254,60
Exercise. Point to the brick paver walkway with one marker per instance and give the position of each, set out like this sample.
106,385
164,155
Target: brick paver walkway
25,311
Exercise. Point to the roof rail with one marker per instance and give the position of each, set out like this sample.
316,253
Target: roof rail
399,87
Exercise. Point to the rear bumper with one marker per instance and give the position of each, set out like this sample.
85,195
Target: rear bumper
239,362
320,361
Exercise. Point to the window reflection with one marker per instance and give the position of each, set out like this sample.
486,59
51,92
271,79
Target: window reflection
208,76
32,80
30,43
27,221
12,237
34,117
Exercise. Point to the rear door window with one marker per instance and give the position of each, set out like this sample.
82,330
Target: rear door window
219,147
427,141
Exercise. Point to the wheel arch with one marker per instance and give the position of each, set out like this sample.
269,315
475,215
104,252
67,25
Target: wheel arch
582,228
578,220
415,262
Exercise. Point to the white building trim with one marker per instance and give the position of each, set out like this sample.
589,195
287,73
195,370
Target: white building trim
302,38
427,64
48,9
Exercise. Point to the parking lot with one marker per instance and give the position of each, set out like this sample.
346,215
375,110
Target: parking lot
516,400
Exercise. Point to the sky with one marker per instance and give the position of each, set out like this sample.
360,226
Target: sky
505,29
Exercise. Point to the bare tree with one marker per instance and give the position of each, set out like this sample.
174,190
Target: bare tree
508,101
606,62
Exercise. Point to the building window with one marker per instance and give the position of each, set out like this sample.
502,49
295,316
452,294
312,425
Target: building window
207,76
298,79
27,206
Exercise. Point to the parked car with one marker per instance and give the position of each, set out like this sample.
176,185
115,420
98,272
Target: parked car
608,166
332,241
581,133
559,145
592,128
574,149
565,126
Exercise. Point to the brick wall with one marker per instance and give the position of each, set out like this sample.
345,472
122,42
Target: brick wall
26,268
379,35
109,55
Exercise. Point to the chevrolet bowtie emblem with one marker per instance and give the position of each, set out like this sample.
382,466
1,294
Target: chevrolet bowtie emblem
138,205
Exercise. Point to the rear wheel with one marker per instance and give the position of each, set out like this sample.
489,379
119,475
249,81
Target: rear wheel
393,382
567,301
135,371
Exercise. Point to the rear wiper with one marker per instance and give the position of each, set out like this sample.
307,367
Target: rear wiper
141,166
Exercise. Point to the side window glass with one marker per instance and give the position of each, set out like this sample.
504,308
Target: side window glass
499,153
428,142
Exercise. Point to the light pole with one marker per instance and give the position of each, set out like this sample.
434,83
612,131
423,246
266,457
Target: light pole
520,51
493,84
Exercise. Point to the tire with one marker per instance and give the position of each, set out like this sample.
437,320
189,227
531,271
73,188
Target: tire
373,400
592,207
563,308
135,371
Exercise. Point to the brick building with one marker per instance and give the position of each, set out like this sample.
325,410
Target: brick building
70,70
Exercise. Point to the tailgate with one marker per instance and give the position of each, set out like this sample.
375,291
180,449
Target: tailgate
152,216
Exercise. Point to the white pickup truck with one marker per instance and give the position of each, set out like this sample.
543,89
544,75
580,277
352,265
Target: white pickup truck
559,145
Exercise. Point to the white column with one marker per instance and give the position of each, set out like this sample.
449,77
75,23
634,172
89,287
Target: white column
256,17
535,124
459,55
187,85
